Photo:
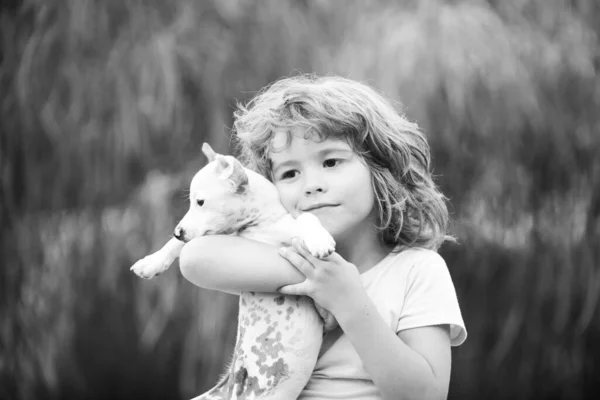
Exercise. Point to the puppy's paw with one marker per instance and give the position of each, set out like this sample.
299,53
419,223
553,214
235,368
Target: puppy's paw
319,243
317,240
150,266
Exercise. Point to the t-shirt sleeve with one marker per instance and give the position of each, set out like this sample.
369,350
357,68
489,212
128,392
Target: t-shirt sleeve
430,299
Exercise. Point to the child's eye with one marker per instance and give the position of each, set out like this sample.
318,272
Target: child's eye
289,174
331,162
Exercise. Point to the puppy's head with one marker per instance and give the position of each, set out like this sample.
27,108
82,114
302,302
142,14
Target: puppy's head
218,198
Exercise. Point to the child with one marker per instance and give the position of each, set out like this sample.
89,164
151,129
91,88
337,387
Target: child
336,148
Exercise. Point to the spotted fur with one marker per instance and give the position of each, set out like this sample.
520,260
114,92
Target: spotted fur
277,344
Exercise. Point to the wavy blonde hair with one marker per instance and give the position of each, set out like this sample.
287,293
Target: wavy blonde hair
411,209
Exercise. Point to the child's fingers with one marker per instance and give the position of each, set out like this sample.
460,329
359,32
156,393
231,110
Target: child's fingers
335,258
297,260
298,289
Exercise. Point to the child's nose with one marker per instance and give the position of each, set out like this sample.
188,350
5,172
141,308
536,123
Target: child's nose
314,184
310,190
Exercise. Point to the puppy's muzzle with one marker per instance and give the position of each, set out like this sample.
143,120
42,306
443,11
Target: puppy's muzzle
179,234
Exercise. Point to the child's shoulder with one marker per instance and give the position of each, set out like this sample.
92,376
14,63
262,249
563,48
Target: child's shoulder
414,269
417,256
417,261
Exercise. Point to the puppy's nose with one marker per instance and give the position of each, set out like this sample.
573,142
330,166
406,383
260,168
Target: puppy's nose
179,233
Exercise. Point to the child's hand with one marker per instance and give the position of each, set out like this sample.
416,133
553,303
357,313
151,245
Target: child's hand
329,321
330,281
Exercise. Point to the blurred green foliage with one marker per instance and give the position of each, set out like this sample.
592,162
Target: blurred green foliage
104,107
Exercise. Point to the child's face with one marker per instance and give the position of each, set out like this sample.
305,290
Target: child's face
327,179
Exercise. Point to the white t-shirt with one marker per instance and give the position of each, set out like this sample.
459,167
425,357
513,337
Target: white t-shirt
410,289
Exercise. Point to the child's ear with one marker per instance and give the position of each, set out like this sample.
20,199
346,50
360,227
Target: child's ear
232,170
208,152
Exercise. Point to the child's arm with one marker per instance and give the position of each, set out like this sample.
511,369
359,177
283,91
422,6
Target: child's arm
415,364
233,264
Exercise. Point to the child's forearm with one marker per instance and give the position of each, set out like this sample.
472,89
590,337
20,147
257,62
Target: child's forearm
234,264
398,371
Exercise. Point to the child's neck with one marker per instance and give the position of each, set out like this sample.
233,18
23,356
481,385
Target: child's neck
364,250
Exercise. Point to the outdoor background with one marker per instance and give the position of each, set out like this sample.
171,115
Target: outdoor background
104,107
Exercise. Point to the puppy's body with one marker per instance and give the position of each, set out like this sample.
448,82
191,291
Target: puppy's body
278,336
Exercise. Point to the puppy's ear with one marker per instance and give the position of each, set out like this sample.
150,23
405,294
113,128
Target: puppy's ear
231,170
208,152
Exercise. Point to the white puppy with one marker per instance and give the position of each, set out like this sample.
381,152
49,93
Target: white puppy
279,336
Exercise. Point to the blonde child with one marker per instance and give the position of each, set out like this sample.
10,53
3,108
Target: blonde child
336,148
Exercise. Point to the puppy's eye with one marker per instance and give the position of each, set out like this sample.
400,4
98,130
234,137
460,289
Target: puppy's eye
200,202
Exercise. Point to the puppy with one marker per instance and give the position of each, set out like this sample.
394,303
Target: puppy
278,337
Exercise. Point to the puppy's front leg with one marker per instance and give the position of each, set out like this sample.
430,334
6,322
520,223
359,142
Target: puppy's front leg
156,263
320,244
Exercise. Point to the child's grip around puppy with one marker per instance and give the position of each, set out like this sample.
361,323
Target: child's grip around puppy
228,199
